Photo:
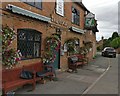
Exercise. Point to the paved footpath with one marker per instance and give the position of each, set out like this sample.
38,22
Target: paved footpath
71,83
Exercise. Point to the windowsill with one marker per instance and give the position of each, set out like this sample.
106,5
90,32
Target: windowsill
60,15
75,24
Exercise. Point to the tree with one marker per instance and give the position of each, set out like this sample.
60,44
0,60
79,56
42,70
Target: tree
106,42
112,41
115,42
115,35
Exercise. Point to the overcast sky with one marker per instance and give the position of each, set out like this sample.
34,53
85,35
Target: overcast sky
106,12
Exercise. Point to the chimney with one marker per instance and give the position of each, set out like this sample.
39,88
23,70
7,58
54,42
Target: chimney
102,38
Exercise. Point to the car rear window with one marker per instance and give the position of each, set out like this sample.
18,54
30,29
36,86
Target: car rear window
110,49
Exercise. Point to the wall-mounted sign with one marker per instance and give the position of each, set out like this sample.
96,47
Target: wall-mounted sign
60,7
90,22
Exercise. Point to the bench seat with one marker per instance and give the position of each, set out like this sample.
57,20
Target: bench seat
11,77
76,60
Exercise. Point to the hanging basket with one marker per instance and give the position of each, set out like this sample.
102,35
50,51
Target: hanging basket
52,45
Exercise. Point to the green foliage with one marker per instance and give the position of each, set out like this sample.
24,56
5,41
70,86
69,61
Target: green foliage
115,35
98,48
71,45
52,45
115,42
112,41
10,56
107,43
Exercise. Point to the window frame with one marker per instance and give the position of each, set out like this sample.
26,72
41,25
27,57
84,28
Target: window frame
34,5
27,42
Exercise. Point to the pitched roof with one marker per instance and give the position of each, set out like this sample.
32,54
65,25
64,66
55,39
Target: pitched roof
83,6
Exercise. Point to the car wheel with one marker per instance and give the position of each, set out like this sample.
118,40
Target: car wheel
114,56
102,54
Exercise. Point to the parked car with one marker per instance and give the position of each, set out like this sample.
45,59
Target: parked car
109,51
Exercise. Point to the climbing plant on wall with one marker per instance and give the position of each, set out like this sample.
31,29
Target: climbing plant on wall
52,45
10,56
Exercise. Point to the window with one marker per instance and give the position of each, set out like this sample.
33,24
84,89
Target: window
29,43
60,7
35,3
75,16
38,4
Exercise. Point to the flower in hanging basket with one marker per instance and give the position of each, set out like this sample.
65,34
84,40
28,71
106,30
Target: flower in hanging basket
10,56
52,45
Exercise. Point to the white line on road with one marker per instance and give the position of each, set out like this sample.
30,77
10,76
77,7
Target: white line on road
87,90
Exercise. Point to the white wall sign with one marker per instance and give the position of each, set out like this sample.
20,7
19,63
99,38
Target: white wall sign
60,7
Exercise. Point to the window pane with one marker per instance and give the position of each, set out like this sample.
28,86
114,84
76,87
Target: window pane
21,35
75,16
37,37
31,2
38,4
22,48
73,10
30,49
30,36
36,49
23,0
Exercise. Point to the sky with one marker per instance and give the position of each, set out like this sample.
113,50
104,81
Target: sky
106,13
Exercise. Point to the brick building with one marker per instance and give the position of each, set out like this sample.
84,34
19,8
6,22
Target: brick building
100,43
41,19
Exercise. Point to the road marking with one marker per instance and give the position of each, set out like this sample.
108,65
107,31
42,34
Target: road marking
87,90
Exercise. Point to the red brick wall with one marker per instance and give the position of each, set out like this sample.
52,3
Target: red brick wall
118,50
48,9
90,36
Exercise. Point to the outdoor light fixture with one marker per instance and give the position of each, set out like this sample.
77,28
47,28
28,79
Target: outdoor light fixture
58,31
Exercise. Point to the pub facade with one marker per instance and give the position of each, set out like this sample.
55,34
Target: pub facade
33,22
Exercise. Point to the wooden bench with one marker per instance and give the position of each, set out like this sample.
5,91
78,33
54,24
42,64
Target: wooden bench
11,80
83,58
76,60
42,70
11,77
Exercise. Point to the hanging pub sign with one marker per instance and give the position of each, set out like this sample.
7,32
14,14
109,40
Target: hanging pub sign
90,15
60,7
90,20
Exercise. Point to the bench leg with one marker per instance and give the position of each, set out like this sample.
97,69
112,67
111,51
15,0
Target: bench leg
74,69
4,93
33,85
51,77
